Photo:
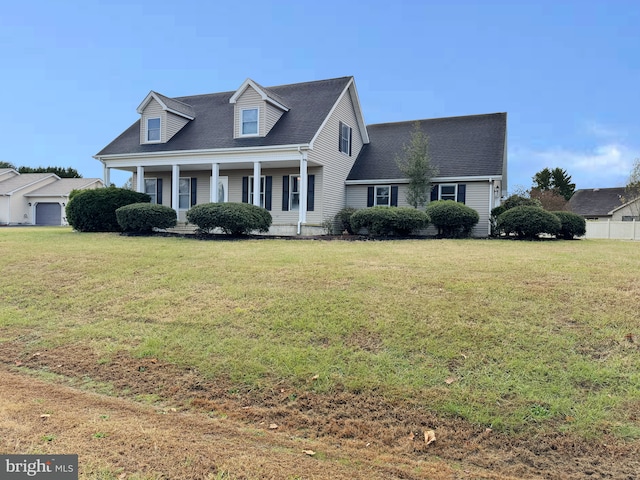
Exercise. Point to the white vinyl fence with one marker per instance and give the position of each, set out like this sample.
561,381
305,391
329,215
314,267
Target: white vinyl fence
614,229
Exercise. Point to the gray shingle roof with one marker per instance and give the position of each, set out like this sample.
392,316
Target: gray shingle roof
176,105
459,146
212,128
597,202
18,182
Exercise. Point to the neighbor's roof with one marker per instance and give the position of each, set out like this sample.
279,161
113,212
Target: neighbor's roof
17,182
465,146
212,127
63,187
597,202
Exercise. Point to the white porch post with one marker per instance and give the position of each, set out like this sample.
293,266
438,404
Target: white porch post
215,176
140,179
107,176
304,187
175,187
256,183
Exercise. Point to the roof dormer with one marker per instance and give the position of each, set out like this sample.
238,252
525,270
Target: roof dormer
256,110
162,117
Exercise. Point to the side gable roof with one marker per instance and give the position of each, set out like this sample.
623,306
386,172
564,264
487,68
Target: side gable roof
309,104
63,187
168,104
465,146
597,202
14,184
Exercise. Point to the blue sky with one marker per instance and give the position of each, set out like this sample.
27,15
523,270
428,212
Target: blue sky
567,72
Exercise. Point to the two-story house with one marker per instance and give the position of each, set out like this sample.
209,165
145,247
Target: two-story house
302,151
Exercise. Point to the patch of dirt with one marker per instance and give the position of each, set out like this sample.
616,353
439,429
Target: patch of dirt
199,427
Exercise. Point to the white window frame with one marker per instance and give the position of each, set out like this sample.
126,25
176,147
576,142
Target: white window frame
159,129
154,195
263,183
293,179
455,191
375,196
242,122
347,139
182,194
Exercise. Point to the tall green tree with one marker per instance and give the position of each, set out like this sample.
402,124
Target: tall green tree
7,165
61,172
415,164
556,180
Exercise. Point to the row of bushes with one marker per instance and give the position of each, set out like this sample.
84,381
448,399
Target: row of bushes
531,221
117,209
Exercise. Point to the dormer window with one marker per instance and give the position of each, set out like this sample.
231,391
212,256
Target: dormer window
250,121
153,129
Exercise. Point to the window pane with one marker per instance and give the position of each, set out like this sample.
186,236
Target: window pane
153,129
220,192
382,196
344,138
447,192
150,189
295,193
184,193
250,121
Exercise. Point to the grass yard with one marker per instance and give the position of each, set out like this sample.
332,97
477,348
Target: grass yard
523,338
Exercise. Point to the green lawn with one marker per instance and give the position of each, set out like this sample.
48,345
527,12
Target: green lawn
511,335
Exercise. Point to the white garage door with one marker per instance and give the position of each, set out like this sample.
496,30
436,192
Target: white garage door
48,214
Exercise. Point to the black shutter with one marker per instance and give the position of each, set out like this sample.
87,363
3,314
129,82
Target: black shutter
268,181
339,136
394,196
245,189
194,195
159,191
462,193
311,186
434,193
285,193
370,197
350,136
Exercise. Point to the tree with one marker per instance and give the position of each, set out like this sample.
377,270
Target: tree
632,189
61,172
550,200
556,180
7,165
415,164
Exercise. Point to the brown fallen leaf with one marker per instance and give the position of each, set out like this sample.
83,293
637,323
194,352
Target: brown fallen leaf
311,453
273,426
450,380
412,436
429,436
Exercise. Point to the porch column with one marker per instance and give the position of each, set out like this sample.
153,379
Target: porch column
140,179
304,187
256,183
175,187
215,176
107,176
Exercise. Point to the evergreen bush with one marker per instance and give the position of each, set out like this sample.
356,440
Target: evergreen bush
452,219
231,218
144,217
95,210
571,225
528,222
383,221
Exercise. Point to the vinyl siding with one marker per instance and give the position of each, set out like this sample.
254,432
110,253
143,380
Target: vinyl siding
249,99
153,110
174,124
477,197
330,192
272,115
630,210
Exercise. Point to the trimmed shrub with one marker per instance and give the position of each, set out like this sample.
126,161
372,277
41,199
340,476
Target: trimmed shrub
520,201
383,221
571,225
231,218
452,219
95,210
342,220
528,222
144,217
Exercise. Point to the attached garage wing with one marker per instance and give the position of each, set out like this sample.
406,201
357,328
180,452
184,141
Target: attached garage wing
48,214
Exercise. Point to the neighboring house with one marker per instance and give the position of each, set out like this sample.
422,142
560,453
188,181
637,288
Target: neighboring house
308,145
602,204
37,198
